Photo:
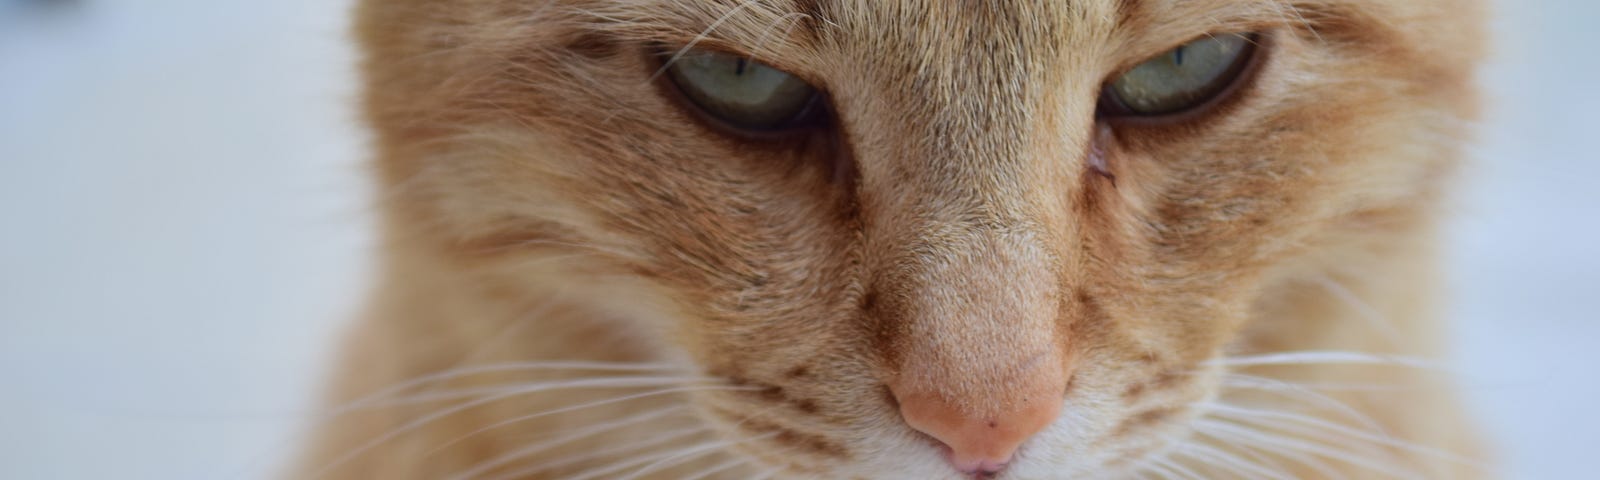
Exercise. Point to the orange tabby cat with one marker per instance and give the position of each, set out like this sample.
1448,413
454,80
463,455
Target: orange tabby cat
906,239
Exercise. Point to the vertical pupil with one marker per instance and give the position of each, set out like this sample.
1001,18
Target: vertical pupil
738,68
1177,55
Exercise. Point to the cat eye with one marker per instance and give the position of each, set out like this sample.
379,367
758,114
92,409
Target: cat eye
1180,80
740,92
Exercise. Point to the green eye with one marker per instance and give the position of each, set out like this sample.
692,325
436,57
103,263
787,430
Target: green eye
741,92
1183,78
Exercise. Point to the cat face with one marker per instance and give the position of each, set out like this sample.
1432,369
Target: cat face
958,254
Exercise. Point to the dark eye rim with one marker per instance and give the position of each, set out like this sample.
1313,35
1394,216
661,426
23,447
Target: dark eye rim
1111,110
811,117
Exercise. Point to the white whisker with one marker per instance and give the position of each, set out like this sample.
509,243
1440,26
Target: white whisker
1158,470
528,450
422,421
699,38
1221,458
1264,383
1260,417
715,469
594,383
768,474
508,332
1362,308
1265,445
652,441
367,400
1177,469
1246,450
690,454
761,41
1305,445
650,461
1281,387
1326,357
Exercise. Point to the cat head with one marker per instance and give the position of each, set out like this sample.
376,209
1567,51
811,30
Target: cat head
966,236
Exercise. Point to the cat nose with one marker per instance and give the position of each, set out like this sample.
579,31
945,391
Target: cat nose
984,442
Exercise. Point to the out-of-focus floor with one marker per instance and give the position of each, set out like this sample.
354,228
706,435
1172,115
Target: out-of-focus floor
183,228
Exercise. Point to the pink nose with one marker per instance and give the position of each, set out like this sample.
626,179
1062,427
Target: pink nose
983,442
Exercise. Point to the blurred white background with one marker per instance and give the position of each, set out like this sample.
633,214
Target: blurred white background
183,230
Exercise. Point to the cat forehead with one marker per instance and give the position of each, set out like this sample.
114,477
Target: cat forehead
789,27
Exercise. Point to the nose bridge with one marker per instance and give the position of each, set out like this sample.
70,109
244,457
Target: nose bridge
980,315
966,150
976,352
980,364
963,208
964,213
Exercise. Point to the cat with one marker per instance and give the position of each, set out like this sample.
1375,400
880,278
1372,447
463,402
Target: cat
774,239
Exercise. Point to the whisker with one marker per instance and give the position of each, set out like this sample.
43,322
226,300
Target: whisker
1326,357
1224,459
768,474
761,41
1258,456
606,402
1264,383
596,383
690,454
509,332
659,458
1305,445
692,388
1301,19
1270,448
1363,309
1281,387
528,450
1259,417
659,439
699,38
1158,470
508,367
423,421
1204,462
742,421
1177,469
715,469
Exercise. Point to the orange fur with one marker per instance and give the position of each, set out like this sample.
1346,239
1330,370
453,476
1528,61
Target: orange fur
545,200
